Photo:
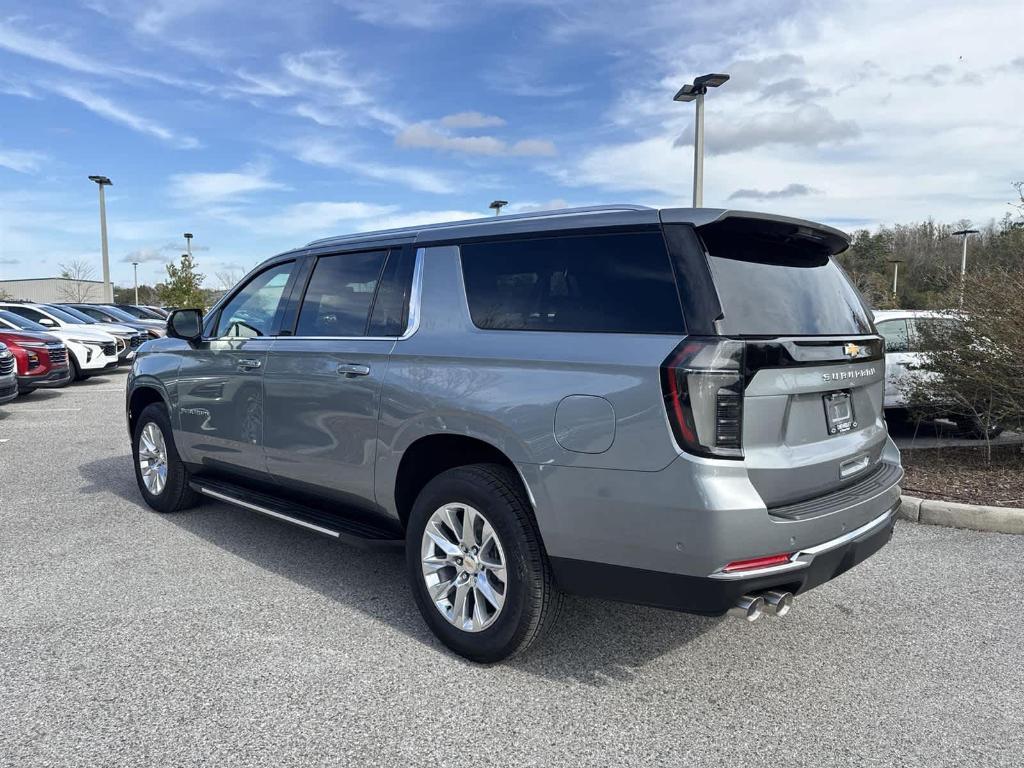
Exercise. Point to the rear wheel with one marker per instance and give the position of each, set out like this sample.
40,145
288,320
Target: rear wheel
477,568
159,471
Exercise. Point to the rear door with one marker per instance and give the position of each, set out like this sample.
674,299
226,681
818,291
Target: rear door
813,363
323,379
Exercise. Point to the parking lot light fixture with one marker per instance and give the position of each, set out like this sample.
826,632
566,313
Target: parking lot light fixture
108,288
188,242
965,233
895,273
695,92
497,205
135,266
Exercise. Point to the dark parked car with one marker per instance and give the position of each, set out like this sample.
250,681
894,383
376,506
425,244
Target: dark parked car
104,313
8,375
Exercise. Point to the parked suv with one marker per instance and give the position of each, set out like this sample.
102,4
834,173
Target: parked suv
902,330
91,352
680,408
8,375
41,360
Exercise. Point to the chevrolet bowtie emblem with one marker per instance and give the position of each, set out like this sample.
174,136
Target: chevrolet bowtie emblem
851,350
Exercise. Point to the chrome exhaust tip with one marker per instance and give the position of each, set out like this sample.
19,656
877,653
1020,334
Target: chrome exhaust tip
778,603
749,607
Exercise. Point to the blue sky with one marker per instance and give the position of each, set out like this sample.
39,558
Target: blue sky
260,126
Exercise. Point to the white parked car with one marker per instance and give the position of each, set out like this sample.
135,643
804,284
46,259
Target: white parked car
91,352
902,331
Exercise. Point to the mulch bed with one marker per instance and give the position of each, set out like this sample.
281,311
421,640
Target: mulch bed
963,474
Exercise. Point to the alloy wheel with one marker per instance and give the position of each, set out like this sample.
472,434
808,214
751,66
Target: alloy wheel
153,458
464,567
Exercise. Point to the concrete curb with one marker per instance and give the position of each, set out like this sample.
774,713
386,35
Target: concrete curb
954,515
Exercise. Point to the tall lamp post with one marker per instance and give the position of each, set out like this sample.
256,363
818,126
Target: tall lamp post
188,243
108,289
135,266
895,274
690,92
965,233
497,205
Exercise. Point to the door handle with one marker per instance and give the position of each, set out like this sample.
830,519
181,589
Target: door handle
353,369
249,364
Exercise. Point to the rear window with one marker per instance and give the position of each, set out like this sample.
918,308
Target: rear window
771,289
610,283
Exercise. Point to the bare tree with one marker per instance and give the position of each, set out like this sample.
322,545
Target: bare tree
227,279
81,274
973,361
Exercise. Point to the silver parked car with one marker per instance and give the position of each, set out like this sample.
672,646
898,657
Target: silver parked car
680,408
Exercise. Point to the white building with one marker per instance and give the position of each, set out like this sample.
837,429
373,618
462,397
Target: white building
52,289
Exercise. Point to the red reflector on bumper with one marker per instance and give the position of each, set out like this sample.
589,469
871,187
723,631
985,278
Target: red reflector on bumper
757,562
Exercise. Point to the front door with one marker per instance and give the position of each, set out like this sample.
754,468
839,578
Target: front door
323,382
220,383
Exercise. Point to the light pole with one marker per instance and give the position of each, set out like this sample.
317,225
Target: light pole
108,289
135,266
690,92
895,274
188,243
965,233
497,205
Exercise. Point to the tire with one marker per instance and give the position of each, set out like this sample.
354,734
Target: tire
972,427
530,600
76,371
175,494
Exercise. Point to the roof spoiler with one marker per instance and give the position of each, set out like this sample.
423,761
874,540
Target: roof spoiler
767,226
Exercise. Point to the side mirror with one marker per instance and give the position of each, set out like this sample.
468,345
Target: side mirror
47,322
186,324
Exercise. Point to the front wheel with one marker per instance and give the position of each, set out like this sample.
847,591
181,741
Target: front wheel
477,568
159,471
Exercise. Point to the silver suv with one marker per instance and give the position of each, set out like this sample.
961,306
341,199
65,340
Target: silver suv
680,408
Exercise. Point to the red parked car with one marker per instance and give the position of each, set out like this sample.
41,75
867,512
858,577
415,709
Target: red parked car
41,359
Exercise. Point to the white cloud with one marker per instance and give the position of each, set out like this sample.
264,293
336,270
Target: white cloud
471,120
417,218
21,160
201,189
328,155
106,108
830,98
426,136
416,14
320,219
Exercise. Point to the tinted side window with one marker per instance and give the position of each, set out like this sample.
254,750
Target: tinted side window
30,314
251,311
337,301
94,313
391,307
895,333
616,283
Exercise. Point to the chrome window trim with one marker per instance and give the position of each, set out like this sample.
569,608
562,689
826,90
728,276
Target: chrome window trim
805,557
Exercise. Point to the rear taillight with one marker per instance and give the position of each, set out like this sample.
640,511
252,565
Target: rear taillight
702,381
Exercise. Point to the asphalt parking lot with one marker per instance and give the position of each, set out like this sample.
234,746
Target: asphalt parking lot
219,637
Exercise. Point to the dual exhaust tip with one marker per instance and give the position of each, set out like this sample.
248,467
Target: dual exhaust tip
753,607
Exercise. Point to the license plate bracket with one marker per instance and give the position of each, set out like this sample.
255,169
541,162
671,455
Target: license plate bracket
839,416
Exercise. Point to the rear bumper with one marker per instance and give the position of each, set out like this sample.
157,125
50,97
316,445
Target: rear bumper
57,378
713,595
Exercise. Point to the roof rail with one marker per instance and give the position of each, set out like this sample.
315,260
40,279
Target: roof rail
481,221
